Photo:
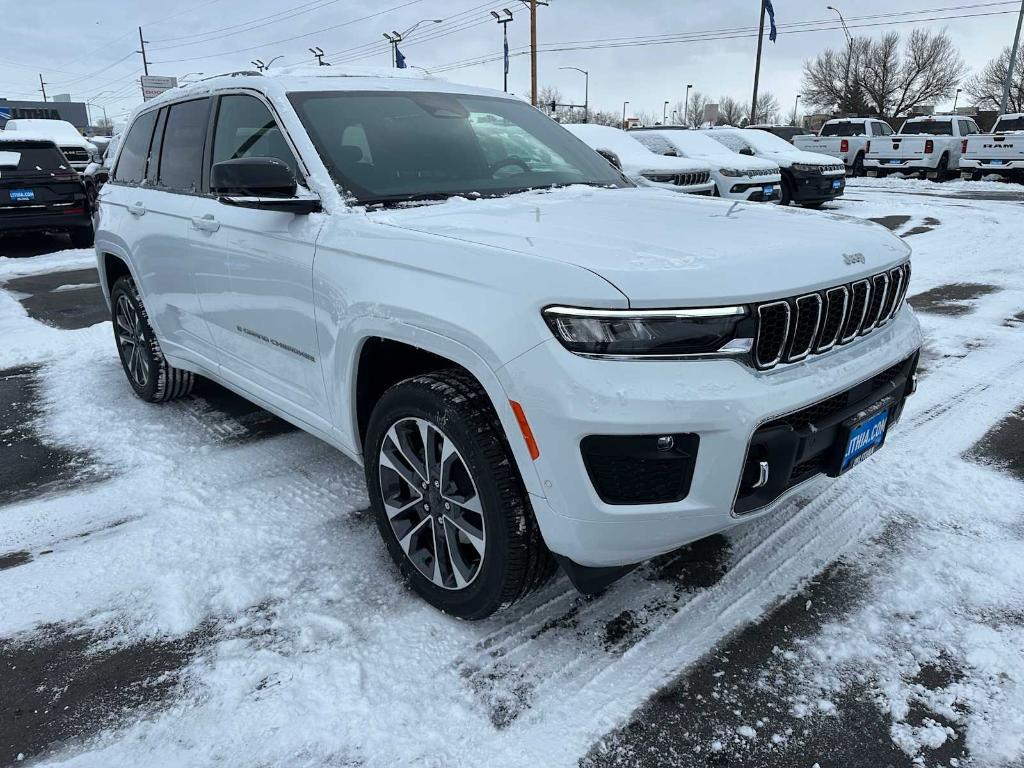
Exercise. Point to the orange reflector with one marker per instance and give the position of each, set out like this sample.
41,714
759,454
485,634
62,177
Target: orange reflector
524,427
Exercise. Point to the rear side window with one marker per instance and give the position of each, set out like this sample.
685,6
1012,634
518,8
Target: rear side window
245,128
882,129
131,165
181,153
29,156
843,129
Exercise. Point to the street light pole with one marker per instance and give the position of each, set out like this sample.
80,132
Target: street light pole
796,110
1010,63
956,99
664,114
849,55
624,105
586,92
686,104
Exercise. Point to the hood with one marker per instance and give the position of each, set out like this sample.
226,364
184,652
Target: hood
789,156
663,249
662,164
740,162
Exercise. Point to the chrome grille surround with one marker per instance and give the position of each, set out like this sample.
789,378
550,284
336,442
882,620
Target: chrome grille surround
790,330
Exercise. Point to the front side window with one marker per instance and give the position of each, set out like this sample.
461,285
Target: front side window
245,128
131,164
181,153
387,147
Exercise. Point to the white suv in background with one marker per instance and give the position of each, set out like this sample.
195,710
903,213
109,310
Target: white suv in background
535,361
641,165
736,177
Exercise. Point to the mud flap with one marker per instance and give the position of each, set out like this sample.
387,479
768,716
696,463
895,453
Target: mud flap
592,581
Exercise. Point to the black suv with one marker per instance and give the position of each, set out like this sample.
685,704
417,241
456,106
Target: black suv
40,192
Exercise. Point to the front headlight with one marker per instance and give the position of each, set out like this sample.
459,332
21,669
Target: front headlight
653,332
732,173
94,155
805,168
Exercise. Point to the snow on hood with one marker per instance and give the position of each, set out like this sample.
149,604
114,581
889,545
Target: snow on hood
59,131
665,249
634,156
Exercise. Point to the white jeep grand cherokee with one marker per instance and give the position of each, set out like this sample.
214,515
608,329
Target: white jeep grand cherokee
536,362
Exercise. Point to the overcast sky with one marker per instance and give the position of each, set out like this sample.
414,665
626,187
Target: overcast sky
87,48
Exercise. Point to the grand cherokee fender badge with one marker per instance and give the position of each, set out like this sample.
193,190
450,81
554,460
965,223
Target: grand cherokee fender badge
276,343
853,258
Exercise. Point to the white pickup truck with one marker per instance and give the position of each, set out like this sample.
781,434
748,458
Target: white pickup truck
1000,152
928,146
847,139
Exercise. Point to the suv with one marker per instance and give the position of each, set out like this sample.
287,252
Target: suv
536,362
39,192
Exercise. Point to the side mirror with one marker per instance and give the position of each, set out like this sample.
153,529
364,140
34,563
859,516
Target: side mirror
259,182
611,157
747,151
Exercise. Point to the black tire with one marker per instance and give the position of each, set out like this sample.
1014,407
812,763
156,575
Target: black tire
786,194
515,560
858,165
83,237
813,206
162,381
942,170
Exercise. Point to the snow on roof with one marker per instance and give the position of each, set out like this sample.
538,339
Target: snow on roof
633,155
56,128
24,136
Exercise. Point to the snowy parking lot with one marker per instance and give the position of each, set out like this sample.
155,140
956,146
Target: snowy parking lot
200,584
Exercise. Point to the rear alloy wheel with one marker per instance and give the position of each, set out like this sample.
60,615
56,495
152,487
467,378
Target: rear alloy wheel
148,372
448,499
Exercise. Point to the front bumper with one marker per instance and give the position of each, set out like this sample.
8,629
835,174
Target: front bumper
816,187
876,166
751,191
567,398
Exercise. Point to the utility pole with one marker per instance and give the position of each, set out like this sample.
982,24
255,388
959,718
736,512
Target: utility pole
1010,63
586,92
142,50
532,5
849,56
504,22
757,65
394,38
42,86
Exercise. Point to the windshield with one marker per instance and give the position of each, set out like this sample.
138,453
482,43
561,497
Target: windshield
1009,124
386,147
844,129
930,127
762,141
31,156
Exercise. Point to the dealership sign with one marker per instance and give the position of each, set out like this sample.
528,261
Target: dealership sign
153,85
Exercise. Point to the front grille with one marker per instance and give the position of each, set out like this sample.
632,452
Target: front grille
789,330
75,154
680,179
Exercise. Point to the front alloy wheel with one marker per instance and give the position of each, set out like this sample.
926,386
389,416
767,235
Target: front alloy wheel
432,503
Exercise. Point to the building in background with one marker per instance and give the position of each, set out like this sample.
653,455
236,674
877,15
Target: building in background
72,111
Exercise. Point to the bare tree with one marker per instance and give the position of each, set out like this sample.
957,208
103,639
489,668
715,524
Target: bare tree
886,76
986,87
768,109
731,111
604,117
695,111
548,95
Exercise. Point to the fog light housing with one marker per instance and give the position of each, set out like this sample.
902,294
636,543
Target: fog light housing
641,469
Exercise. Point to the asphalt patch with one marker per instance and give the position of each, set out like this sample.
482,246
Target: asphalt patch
67,300
702,718
892,223
929,224
64,683
14,559
953,299
1003,446
29,465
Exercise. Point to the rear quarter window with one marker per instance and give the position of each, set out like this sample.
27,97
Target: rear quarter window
131,165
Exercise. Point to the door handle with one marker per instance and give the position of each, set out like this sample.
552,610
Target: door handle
137,209
206,223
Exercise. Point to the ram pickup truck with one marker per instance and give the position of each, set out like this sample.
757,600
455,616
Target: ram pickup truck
1000,152
846,139
929,147
76,148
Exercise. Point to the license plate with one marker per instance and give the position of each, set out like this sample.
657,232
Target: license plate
768,190
864,439
995,162
22,195
836,184
895,162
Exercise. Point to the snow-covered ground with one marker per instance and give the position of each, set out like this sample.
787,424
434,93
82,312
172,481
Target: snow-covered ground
260,557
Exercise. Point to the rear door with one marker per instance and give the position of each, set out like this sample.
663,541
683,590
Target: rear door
254,271
165,204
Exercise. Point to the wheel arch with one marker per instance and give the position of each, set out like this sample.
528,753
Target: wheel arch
382,360
111,266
